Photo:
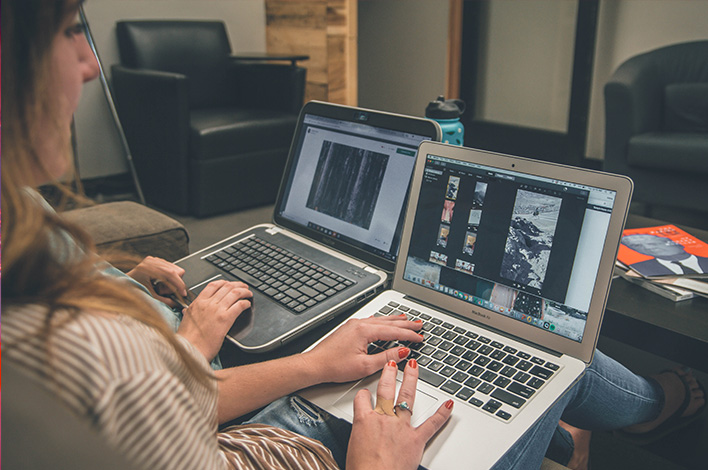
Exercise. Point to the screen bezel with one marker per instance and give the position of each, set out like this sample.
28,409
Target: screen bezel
620,184
389,121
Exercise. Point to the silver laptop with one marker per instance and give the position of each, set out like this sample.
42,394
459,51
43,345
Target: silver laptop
508,262
336,227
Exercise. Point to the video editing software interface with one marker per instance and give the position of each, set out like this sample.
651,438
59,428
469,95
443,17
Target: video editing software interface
519,245
356,177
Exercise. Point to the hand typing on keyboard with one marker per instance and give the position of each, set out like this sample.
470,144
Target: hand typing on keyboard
488,374
343,356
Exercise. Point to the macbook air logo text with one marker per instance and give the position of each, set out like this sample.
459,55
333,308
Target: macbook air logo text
480,314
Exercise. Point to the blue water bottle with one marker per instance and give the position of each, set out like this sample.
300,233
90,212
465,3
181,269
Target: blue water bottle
447,113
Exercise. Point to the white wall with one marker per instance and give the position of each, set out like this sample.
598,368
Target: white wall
100,150
402,53
402,59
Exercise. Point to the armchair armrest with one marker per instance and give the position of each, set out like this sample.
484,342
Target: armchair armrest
632,106
633,96
257,56
154,110
273,86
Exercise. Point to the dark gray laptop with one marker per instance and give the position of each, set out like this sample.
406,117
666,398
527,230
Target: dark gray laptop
336,227
507,261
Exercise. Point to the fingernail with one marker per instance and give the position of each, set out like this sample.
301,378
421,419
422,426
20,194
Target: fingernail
392,363
421,335
403,315
403,352
418,321
448,404
413,364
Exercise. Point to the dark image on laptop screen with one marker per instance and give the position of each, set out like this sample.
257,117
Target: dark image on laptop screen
516,244
350,182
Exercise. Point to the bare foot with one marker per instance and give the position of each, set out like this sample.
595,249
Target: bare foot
672,382
581,452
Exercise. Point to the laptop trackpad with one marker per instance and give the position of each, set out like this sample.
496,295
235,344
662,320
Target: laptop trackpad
424,406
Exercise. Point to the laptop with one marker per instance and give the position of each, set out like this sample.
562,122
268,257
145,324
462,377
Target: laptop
336,225
508,263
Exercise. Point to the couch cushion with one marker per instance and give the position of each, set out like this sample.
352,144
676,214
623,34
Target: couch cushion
686,152
225,132
133,227
686,107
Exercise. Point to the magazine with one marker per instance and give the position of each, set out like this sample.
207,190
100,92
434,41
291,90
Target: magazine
670,292
663,252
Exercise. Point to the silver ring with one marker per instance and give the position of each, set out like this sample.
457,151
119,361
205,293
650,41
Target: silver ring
404,406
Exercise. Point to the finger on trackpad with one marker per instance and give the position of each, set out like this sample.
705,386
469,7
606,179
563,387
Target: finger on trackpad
424,406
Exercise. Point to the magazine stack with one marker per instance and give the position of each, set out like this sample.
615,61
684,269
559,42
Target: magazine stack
665,260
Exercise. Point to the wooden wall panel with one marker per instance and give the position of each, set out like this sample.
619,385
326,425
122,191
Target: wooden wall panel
326,30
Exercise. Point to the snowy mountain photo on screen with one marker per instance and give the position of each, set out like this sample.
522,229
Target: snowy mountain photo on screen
530,238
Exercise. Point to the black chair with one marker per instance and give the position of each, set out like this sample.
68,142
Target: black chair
208,133
656,109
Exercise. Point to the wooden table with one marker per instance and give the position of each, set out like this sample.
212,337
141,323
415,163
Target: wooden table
675,330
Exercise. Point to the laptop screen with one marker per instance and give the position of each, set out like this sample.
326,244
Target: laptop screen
348,179
519,245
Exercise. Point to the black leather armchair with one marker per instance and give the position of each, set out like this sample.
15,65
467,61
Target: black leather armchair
656,109
208,133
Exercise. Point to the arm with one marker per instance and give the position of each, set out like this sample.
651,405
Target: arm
341,357
161,278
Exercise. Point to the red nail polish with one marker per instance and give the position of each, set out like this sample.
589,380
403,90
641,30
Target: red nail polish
418,321
413,364
421,336
403,352
448,404
392,363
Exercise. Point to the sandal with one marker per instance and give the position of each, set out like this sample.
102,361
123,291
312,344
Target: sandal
672,423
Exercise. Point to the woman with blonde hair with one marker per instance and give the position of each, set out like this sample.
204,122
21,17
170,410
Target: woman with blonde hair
99,343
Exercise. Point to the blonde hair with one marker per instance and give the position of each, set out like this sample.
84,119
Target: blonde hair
32,272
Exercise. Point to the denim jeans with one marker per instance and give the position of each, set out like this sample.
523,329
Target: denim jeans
608,396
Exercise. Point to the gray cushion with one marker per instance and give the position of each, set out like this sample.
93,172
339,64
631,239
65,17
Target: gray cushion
133,227
686,107
684,152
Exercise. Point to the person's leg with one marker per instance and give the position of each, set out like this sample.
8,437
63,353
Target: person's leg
608,396
300,416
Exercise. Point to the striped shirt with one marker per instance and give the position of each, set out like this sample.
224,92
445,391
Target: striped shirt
127,381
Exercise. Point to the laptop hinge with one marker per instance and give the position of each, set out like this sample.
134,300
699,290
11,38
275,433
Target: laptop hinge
273,230
486,327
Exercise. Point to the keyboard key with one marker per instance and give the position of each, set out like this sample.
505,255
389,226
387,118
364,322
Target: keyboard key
535,383
473,382
541,372
503,415
485,388
508,398
521,390
475,401
451,387
492,406
430,377
465,394
460,377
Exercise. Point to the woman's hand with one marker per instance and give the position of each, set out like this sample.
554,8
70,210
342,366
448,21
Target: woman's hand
161,278
382,437
210,316
342,356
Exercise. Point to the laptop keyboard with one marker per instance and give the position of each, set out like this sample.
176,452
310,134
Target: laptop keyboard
485,373
278,273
